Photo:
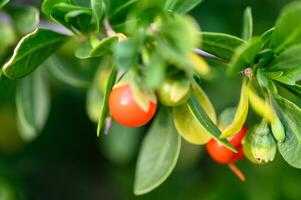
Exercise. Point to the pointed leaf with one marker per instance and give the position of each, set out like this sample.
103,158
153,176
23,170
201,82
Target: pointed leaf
97,11
205,121
121,144
25,19
244,56
80,20
247,31
295,89
104,47
76,18
260,106
267,36
284,78
7,37
290,116
48,5
220,44
181,6
103,112
62,72
288,62
31,51
33,101
94,98
287,31
126,54
3,3
187,125
158,155
240,114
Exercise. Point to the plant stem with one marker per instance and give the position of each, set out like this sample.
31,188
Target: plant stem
108,125
108,27
207,55
237,172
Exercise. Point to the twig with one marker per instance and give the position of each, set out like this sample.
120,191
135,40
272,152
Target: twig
108,27
108,125
237,172
208,55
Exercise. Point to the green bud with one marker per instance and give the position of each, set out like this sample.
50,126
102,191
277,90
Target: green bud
246,144
278,130
263,145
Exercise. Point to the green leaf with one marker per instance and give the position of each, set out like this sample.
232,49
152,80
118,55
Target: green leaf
272,75
187,125
265,57
93,103
181,6
31,51
120,8
262,79
3,3
289,115
294,89
288,62
155,71
126,54
266,37
285,79
103,112
76,18
247,31
220,44
7,36
241,114
7,90
94,97
97,11
83,3
205,121
62,72
260,105
287,31
173,28
104,47
32,101
80,20
244,56
158,155
25,19
58,16
175,57
121,144
48,5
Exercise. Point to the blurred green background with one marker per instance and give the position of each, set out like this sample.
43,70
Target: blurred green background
67,161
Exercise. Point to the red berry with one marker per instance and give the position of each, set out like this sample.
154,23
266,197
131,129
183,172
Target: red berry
236,139
239,155
221,154
218,152
126,111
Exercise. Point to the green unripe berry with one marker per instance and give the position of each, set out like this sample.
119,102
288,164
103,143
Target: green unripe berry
174,92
